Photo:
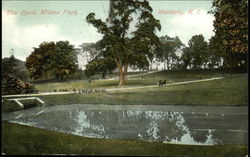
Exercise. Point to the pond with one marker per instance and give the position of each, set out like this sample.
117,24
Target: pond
196,125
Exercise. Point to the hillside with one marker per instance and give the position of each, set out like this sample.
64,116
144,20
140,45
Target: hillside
20,63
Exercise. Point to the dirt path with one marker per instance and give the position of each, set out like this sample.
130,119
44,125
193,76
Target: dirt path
170,84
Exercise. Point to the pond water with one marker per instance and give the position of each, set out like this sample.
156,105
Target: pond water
168,124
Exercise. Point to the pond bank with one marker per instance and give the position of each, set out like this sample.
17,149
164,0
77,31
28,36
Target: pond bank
49,142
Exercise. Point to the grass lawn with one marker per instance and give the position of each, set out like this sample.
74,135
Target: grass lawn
228,91
19,139
150,79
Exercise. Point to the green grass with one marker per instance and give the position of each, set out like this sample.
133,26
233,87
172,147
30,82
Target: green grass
150,79
228,91
19,139
70,85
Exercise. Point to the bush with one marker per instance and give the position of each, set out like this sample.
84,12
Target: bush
14,85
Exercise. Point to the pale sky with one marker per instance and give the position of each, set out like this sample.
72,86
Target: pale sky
23,31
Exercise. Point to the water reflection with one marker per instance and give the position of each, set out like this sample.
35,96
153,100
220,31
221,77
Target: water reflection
169,127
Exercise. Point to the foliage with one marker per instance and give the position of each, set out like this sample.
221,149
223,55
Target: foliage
198,55
213,59
186,57
118,44
58,58
13,76
14,85
102,65
14,67
169,48
231,31
97,63
38,61
63,61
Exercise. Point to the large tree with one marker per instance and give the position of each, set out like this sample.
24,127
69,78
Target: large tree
169,49
100,65
58,59
186,58
38,62
124,43
63,61
231,32
196,53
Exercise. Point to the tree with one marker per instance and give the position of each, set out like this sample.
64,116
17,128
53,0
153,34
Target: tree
169,48
231,32
213,59
121,46
13,76
14,85
9,66
38,62
63,61
196,52
14,67
186,58
57,58
100,65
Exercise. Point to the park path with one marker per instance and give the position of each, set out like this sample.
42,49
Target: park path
115,89
170,84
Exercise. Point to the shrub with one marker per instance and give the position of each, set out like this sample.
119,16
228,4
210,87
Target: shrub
14,85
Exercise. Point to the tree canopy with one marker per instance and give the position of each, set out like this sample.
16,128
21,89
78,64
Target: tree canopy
169,48
196,54
14,77
57,58
124,43
14,67
231,31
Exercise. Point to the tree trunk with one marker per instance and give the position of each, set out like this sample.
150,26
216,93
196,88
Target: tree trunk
122,80
122,72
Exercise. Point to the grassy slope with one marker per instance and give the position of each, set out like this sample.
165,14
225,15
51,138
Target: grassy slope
229,91
150,79
48,142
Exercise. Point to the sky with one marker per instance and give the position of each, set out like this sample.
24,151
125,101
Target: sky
26,24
